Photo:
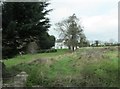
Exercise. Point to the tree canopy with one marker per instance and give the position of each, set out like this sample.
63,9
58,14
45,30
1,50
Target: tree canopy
71,31
22,23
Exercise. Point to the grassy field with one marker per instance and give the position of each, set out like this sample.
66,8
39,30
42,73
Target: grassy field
84,67
29,57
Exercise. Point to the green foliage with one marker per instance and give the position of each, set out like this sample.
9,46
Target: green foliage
48,51
24,22
46,41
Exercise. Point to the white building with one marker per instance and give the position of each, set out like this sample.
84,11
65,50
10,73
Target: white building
59,44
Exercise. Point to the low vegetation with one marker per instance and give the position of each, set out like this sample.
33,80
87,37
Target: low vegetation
85,67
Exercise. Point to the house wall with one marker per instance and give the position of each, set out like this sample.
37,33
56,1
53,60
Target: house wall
60,45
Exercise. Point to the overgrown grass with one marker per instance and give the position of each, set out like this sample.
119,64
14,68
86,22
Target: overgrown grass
70,69
29,57
55,74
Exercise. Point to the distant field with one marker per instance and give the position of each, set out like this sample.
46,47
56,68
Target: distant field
84,67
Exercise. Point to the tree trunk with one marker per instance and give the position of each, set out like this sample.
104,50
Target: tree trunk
69,47
72,48
76,48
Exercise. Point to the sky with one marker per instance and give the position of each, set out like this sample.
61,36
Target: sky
98,17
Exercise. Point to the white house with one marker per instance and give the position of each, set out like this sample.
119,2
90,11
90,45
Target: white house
59,44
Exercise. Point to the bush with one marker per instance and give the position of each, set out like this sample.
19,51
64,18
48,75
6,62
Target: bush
47,51
8,52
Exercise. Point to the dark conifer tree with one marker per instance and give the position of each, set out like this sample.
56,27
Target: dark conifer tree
22,23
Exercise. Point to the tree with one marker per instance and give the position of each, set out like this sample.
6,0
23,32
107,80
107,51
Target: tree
83,41
96,43
71,31
47,40
22,23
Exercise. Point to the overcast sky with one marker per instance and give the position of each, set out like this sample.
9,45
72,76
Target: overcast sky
98,17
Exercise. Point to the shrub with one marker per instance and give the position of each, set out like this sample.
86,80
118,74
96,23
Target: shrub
47,51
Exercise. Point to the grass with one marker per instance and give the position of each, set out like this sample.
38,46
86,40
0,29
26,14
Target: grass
29,57
69,69
61,67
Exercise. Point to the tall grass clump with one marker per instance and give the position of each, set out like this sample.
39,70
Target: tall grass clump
101,74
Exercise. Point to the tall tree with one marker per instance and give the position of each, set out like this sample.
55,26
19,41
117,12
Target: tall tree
22,23
96,43
71,31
